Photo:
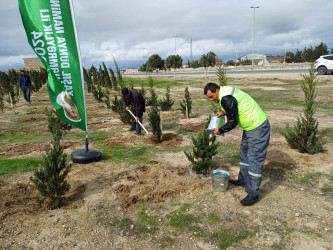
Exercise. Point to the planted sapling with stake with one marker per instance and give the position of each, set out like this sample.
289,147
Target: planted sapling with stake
186,104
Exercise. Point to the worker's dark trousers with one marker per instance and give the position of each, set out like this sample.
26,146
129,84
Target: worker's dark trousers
135,125
253,152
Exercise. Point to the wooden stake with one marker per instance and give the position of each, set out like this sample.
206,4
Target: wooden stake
186,109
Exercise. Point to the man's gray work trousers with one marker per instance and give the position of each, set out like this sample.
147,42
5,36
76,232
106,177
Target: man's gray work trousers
253,152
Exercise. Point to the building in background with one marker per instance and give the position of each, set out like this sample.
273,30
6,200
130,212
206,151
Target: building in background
32,63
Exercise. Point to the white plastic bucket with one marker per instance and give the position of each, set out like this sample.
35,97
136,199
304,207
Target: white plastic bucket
215,122
220,179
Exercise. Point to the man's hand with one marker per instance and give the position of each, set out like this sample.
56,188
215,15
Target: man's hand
136,119
220,113
216,131
127,108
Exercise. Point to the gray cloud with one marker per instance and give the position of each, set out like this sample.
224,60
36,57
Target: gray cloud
132,30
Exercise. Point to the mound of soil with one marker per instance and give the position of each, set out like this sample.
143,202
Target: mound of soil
168,140
154,184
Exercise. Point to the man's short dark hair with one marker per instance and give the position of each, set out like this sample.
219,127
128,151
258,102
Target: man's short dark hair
22,70
212,87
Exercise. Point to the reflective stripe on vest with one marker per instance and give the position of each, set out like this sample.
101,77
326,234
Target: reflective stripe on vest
250,115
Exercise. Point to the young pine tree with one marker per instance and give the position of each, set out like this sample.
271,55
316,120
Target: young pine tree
221,76
186,104
167,102
204,148
303,136
50,177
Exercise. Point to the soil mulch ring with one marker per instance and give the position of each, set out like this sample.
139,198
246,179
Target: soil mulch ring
168,140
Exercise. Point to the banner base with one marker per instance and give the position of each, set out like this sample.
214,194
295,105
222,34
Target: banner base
86,156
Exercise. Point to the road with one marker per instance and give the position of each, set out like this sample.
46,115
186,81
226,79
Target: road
229,72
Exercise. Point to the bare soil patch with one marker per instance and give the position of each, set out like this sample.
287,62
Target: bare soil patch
193,127
27,148
154,183
28,130
106,124
97,115
32,119
168,140
17,200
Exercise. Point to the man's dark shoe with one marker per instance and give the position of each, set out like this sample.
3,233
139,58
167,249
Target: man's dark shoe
131,129
249,200
237,183
137,134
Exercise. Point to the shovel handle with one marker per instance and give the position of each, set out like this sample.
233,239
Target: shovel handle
139,122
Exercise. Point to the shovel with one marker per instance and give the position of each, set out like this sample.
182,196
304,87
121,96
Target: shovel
139,123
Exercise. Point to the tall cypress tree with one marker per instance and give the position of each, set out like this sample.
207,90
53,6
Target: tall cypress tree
303,136
154,116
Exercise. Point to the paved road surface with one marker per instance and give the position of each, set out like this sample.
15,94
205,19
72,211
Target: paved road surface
230,72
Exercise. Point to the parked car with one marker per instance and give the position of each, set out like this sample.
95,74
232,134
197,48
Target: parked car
324,64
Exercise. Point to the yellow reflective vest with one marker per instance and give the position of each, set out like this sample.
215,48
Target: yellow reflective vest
250,115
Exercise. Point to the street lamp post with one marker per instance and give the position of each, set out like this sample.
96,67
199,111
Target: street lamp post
174,73
254,31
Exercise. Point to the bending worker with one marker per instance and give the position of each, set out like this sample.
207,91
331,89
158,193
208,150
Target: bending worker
242,110
135,99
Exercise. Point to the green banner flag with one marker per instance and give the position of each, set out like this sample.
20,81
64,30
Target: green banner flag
51,33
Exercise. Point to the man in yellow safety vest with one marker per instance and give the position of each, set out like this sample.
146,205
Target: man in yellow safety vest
241,109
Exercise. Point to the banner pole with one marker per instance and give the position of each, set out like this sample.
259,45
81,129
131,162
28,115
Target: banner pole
81,71
84,155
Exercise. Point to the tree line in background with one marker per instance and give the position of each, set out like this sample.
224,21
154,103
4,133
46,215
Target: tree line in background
155,62
9,85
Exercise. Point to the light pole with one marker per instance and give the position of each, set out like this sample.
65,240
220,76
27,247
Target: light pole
174,73
254,30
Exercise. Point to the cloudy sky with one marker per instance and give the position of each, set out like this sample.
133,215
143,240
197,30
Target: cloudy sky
132,30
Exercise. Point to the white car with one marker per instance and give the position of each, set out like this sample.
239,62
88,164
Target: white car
324,64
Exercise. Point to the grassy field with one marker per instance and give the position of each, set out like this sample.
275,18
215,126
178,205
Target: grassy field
142,195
